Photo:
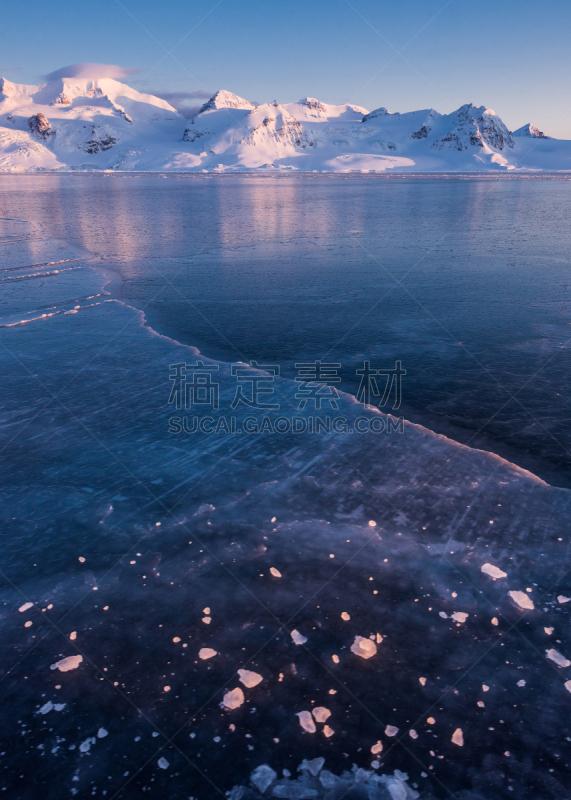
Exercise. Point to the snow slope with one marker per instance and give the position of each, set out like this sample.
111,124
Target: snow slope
100,123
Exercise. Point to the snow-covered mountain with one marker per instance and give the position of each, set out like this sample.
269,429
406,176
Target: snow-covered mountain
100,123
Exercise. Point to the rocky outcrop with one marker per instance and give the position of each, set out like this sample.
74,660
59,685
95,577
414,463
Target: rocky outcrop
40,127
101,140
475,127
531,132
421,133
61,100
313,104
191,135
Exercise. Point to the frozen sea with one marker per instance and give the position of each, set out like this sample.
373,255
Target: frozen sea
401,597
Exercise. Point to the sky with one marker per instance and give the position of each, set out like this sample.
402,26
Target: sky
511,56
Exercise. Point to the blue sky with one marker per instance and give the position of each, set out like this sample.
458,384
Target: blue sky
512,56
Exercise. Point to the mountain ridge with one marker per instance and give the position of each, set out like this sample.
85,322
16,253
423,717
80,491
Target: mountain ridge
102,124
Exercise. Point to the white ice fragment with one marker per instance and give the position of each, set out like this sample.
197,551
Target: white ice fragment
559,659
46,707
377,748
335,659
163,763
493,572
166,688
422,681
379,638
521,683
372,523
206,652
485,688
66,664
25,607
206,610
176,639
460,616
314,766
262,776
274,519
102,733
567,685
298,637
248,678
233,699
391,730
321,714
73,636
458,737
306,721
495,621
59,706
522,600
345,616
84,746
28,624
413,734
275,572
363,647
562,599
207,620
443,614
329,731
549,631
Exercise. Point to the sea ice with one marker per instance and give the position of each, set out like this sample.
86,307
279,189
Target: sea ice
163,763
298,637
363,647
458,737
306,721
249,678
262,776
206,652
559,659
233,699
522,600
25,607
66,664
321,714
494,572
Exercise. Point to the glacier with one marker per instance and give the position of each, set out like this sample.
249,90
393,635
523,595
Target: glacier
102,124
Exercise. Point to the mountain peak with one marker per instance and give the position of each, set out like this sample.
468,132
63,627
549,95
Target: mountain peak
225,99
378,112
531,132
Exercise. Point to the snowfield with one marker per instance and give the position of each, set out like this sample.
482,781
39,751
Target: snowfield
102,124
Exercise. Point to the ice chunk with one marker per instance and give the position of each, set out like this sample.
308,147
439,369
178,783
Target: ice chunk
314,766
522,600
73,636
262,776
321,714
233,699
207,620
345,616
335,659
521,683
206,652
102,733
294,791
458,737
460,616
306,721
206,610
377,748
298,637
248,678
363,647
562,599
485,688
372,523
559,659
431,721
495,621
422,681
163,763
46,707
413,734
84,746
329,731
71,662
549,631
391,730
25,607
275,572
493,572
567,685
